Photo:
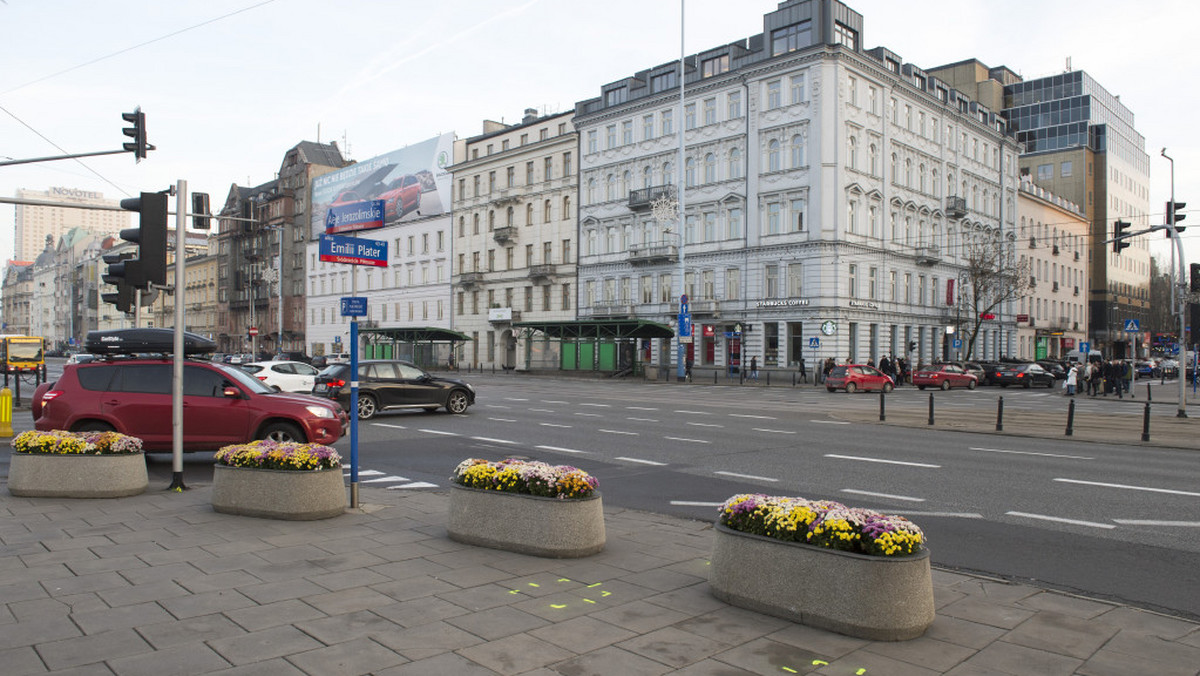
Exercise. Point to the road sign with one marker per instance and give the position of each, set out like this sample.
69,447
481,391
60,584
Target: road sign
1131,326
957,343
685,319
814,343
354,306
354,216
253,330
1085,347
353,250
1174,349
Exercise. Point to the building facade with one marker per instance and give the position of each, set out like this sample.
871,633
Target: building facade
35,222
515,202
830,193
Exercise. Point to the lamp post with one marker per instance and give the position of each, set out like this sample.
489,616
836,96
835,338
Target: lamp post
665,210
1178,301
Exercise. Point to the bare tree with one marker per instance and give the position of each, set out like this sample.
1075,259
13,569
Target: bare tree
992,275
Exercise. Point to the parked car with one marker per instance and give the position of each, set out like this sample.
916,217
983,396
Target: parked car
81,358
855,377
944,376
289,376
1147,369
388,384
222,404
1025,375
291,356
989,369
319,361
1054,368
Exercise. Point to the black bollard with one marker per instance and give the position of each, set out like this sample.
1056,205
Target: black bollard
1146,423
1000,414
768,378
931,408
1148,399
1071,418
882,411
714,377
793,380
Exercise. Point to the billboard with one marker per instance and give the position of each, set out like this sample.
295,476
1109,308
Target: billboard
412,183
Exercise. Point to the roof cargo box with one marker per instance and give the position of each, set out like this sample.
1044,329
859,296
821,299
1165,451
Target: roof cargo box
137,341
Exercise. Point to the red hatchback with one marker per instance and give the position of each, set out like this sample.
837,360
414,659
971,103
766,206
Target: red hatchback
221,405
944,376
855,377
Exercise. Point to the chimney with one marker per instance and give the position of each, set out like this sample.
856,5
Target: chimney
530,115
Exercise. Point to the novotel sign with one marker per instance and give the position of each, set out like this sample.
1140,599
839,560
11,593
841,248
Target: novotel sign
352,250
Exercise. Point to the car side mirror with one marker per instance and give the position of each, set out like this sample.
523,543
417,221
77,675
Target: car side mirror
232,393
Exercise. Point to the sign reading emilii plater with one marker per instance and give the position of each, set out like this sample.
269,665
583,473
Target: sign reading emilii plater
353,250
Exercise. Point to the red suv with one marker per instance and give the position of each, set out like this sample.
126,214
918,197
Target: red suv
221,405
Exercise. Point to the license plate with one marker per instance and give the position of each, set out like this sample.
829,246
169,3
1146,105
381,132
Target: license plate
320,388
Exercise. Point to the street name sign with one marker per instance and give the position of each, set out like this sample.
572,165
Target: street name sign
353,250
354,216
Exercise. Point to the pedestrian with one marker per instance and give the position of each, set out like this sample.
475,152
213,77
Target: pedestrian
754,367
687,372
1072,379
826,369
803,370
1127,376
885,367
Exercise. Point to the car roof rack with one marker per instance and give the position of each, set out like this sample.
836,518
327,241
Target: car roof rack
128,342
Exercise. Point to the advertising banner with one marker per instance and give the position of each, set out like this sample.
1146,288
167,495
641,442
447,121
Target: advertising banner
411,182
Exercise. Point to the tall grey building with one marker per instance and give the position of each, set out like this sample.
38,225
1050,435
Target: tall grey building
830,194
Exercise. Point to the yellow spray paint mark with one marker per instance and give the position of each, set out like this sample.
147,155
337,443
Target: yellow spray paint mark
816,662
790,670
605,593
514,591
533,584
588,601
860,672
558,606
594,585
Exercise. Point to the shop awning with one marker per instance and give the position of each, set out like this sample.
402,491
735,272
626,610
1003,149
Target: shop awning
404,334
598,328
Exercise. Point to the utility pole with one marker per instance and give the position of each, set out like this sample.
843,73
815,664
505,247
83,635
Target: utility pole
1179,301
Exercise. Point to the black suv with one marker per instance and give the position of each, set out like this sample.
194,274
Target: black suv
386,384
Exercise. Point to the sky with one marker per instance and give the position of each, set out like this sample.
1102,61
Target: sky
228,86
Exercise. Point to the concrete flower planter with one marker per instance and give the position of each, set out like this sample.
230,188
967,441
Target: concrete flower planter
527,524
52,475
292,495
872,597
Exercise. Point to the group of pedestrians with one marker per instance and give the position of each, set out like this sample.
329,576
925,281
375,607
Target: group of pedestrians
1100,378
895,368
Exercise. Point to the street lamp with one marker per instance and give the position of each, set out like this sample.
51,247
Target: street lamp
665,210
1181,282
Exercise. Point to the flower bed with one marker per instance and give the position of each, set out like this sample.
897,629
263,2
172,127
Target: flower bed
61,464
526,507
820,563
279,480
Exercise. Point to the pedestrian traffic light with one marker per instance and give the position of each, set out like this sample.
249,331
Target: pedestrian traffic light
1195,270
912,345
137,132
1119,228
1173,215
150,236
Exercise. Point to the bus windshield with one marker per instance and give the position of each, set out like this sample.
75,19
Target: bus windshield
25,350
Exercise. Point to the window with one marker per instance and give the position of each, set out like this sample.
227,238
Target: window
710,168
798,152
566,251
873,158
771,282
547,168
546,212
689,116
566,212
791,38
627,132
529,173
566,296
735,222
852,288
508,216
614,96
774,95
529,214
852,86
667,122
610,136
735,163
647,127
710,111
774,215
689,166
663,81
795,280
491,182
851,217
524,139
873,100
798,207
844,35
872,273
852,152
735,105
566,164
1065,170
732,282
773,155
475,180
710,226
714,66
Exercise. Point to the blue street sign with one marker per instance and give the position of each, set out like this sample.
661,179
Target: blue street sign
353,250
685,317
957,343
814,343
354,216
1131,326
354,306
1085,347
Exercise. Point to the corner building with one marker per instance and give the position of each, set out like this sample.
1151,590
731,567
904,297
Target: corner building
830,193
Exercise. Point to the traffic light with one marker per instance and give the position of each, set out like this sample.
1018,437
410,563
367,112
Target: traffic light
200,213
120,266
912,345
1119,228
1173,216
151,238
137,132
1195,270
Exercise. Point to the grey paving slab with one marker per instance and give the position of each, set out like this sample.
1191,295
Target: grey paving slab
183,660
732,625
418,611
640,616
445,664
770,658
868,662
1146,622
272,667
340,628
1010,658
37,630
190,630
517,654
107,619
673,647
962,632
984,611
359,656
582,634
206,603
1152,648
929,653
426,640
495,623
1066,604
1063,634
21,661
1112,663
80,650
255,617
270,592
264,645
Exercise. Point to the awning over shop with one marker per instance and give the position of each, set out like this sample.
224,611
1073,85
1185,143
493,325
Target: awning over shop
598,329
419,334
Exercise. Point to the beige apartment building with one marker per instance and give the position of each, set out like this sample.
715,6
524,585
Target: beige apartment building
35,222
514,238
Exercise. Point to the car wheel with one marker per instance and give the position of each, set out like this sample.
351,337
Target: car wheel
283,432
1050,385
94,426
1028,384
851,388
945,385
888,387
831,389
367,407
458,402
970,384
920,387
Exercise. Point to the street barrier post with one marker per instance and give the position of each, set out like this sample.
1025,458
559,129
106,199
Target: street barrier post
882,411
1000,414
931,408
6,429
1071,418
1146,423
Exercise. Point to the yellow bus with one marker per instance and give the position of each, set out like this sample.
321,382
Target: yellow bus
22,354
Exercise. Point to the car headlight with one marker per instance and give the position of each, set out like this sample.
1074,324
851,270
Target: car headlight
321,411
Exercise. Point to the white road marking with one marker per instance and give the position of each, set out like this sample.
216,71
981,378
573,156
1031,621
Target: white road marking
883,495
542,410
553,401
1142,522
694,441
696,424
385,478
641,462
829,422
747,415
498,406
888,462
692,412
494,441
447,434
560,449
632,434
415,484
747,476
643,419
502,419
1132,488
960,515
691,503
363,472
1047,455
515,399
764,429
589,415
596,405
641,408
1074,522
395,427
553,425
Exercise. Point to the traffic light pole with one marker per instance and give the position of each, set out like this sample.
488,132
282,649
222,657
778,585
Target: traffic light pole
177,380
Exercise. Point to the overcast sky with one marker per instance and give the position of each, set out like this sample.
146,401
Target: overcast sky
229,85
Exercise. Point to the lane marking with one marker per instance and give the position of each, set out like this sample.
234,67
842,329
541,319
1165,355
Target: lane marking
553,425
883,495
747,476
515,399
502,419
498,406
1131,488
1047,455
494,441
447,434
560,449
696,424
640,461
385,478
642,408
363,472
747,415
960,515
829,422
692,412
395,427
553,401
888,462
693,503
632,434
694,441
589,415
1074,522
1142,522
415,484
643,419
596,405
764,429
542,410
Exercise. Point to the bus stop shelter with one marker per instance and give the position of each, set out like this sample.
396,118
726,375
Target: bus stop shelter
423,345
613,345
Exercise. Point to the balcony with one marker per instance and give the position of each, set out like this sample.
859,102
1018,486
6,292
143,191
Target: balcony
470,278
644,254
1033,242
704,307
506,234
612,309
641,198
928,255
956,207
1054,250
507,196
542,271
1076,291
1055,287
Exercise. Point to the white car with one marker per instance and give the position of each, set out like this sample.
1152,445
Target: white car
289,376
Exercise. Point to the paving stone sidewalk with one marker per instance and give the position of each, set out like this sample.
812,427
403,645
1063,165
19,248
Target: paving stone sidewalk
160,584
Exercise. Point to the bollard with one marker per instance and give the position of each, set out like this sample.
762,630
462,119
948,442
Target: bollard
6,429
1148,392
1000,414
793,380
714,377
882,412
768,378
1146,423
17,389
931,408
1071,418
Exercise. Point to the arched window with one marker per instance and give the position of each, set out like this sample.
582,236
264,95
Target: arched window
735,163
491,220
591,192
921,176
668,173
508,216
689,167
462,226
710,168
546,211
799,152
773,155
874,159
475,225
626,182
908,177
852,152
933,184
647,177
895,168
566,212
529,214
610,187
